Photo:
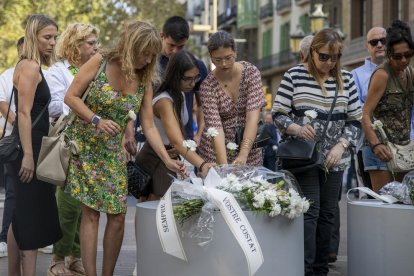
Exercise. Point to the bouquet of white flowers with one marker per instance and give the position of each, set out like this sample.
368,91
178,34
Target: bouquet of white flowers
256,188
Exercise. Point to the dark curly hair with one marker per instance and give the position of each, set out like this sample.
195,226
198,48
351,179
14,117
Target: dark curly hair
397,33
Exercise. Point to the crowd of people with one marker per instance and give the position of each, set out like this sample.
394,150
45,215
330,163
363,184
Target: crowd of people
148,73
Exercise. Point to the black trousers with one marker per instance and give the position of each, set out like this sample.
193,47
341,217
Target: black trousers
322,190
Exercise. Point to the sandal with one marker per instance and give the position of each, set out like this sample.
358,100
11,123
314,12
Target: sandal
75,265
56,268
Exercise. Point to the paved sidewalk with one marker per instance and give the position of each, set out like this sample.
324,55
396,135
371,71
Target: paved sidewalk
127,257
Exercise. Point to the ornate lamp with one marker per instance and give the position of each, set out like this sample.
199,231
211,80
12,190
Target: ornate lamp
295,39
317,18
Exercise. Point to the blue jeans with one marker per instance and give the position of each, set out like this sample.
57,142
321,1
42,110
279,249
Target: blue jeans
322,190
9,182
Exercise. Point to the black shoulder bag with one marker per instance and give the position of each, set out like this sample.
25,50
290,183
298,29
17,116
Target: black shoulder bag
10,145
139,180
298,155
262,133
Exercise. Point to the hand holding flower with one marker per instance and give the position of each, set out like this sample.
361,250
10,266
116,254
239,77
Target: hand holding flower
232,147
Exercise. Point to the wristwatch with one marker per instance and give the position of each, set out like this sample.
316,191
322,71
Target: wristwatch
95,120
345,145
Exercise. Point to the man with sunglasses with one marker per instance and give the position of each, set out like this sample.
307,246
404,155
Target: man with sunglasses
377,54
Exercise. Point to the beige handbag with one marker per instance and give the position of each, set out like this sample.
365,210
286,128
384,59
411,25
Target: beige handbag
402,157
57,148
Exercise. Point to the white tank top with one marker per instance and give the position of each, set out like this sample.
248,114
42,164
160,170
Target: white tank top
157,121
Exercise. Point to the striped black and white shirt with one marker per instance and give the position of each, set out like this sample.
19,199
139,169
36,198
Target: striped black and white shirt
299,91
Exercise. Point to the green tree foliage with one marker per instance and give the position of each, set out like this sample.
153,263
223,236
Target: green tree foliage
108,15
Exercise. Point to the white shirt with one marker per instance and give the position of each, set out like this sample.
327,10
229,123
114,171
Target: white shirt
58,78
6,87
157,121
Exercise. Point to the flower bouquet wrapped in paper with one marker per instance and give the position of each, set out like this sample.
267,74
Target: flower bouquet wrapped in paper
224,189
404,191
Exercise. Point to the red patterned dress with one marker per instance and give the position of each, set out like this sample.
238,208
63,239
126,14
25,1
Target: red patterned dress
220,111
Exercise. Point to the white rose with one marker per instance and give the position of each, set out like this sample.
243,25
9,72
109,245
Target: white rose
190,144
377,124
232,146
132,115
311,114
212,132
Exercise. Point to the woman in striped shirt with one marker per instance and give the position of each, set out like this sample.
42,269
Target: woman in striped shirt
312,86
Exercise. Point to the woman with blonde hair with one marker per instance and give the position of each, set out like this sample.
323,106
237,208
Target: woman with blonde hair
35,222
97,177
317,85
75,46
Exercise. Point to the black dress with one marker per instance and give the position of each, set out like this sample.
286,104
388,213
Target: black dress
35,218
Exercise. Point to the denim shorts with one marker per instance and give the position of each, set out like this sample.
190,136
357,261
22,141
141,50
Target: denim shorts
371,160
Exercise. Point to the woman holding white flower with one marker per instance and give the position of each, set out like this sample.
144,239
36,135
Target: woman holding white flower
171,116
231,97
312,86
98,176
390,101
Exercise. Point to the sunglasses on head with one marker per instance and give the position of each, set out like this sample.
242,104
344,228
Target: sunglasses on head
399,56
325,57
374,42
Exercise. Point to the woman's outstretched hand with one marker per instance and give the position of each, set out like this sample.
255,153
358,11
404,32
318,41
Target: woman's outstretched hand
177,166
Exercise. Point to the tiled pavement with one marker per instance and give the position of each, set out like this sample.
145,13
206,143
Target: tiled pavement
127,258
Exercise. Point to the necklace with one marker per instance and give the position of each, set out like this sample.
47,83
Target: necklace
402,76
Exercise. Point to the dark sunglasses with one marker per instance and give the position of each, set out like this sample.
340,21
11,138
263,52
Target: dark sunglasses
325,57
374,42
191,79
407,55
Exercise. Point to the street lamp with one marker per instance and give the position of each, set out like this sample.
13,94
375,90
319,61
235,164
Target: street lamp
317,19
295,39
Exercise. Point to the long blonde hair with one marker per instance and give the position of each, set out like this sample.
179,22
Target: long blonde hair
322,38
136,38
35,24
70,41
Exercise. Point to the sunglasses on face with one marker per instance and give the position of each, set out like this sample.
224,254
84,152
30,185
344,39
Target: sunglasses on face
406,55
325,57
374,42
191,79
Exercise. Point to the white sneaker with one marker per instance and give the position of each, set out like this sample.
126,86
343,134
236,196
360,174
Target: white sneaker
46,250
3,249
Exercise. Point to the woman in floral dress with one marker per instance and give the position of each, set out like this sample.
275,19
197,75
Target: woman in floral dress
97,177
231,96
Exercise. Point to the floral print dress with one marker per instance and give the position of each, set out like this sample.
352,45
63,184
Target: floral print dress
97,176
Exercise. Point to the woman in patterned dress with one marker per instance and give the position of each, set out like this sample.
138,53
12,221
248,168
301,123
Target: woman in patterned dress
225,110
76,45
97,177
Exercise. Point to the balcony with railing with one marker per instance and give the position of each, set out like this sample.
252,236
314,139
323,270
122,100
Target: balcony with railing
266,11
283,6
228,16
280,59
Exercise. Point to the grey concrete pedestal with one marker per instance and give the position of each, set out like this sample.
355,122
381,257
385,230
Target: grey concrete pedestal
380,239
281,240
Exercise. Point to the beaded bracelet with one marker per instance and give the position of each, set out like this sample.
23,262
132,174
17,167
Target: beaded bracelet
374,146
202,165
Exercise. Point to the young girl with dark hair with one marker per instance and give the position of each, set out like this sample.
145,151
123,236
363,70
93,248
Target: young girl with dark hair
170,118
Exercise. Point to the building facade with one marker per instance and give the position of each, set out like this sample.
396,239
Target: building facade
263,28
